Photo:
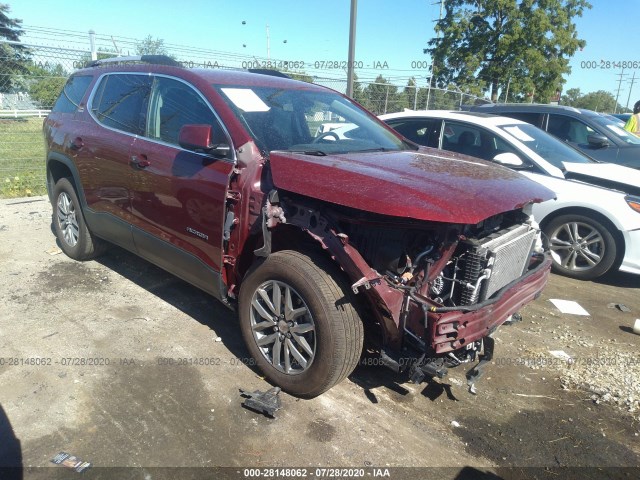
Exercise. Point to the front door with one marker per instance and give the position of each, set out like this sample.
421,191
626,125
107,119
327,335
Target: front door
178,197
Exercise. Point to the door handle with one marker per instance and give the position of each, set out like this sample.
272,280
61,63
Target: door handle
139,161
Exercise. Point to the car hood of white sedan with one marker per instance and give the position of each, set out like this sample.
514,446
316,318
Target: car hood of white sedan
607,175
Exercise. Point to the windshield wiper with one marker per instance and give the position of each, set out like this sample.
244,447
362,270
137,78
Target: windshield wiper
317,153
380,149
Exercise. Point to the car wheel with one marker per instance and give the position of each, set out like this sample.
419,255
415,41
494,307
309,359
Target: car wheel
581,247
70,227
299,322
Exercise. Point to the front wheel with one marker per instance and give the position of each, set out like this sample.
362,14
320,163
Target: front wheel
299,323
581,247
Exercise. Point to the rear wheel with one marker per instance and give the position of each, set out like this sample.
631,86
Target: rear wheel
299,323
581,247
68,222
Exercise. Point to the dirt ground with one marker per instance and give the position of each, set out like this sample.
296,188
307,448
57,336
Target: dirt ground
123,365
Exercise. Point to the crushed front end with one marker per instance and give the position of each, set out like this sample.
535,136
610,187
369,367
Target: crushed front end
435,292
459,284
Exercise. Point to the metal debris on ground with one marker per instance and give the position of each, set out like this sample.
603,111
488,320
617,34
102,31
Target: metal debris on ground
74,463
515,318
263,402
620,306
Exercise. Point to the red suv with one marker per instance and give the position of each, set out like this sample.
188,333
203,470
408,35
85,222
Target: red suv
318,240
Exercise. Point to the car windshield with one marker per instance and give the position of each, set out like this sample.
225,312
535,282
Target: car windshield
549,148
616,130
308,121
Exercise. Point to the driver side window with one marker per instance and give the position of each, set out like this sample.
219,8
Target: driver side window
175,104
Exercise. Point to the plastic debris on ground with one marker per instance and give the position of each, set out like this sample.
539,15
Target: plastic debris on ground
70,461
262,402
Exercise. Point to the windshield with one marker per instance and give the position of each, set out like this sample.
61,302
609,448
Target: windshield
549,148
617,131
307,121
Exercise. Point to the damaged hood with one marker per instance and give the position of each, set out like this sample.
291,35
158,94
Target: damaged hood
607,175
424,185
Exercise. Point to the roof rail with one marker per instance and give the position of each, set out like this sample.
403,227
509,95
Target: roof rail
268,71
152,59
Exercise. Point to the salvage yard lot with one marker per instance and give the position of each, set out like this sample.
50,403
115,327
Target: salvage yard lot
123,365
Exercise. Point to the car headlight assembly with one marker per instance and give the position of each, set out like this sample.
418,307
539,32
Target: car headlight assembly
633,202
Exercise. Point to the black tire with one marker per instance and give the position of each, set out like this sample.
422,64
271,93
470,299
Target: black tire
320,298
76,241
574,257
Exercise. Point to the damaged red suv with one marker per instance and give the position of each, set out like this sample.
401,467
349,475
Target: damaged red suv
322,240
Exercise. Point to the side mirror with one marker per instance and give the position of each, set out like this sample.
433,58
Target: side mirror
509,159
198,138
598,141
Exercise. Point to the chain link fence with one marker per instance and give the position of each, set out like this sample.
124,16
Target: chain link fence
27,96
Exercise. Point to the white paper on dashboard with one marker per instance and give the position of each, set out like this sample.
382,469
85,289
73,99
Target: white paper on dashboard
246,99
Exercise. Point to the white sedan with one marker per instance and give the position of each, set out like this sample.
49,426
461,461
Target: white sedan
593,225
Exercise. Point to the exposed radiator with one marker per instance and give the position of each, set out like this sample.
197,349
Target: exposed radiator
506,253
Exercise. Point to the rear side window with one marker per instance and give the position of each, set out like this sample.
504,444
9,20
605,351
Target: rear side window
72,94
120,101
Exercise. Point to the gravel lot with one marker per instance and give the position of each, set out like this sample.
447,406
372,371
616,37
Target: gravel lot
123,365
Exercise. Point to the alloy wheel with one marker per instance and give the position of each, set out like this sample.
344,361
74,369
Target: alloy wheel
283,327
67,219
577,246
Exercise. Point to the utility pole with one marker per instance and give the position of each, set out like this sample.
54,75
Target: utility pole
633,79
92,43
621,75
268,44
352,47
506,97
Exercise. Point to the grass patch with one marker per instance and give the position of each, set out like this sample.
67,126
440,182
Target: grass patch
22,154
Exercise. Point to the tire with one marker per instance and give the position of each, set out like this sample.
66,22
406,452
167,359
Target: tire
323,327
76,241
581,247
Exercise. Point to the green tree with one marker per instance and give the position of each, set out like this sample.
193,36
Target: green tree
14,57
571,97
599,101
149,46
410,94
47,82
491,43
381,97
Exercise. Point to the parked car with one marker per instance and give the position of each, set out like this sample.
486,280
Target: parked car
316,241
624,117
614,118
593,225
592,133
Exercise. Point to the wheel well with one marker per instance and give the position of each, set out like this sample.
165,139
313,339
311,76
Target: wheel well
290,237
617,234
57,170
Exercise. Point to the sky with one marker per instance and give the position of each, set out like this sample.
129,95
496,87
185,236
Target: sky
391,34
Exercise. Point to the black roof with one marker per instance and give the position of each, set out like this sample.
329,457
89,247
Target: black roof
532,107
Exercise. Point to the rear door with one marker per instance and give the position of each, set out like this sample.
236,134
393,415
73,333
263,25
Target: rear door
178,197
117,107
